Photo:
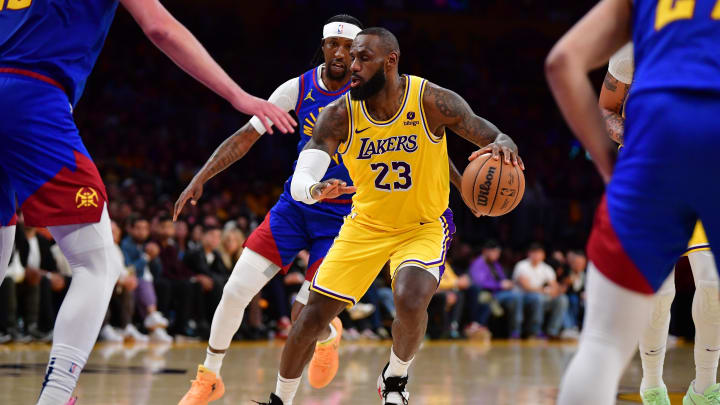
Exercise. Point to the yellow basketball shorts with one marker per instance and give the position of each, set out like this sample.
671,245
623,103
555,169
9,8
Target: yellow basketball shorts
360,251
698,240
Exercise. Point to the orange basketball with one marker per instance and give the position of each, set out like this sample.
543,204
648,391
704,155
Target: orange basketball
491,187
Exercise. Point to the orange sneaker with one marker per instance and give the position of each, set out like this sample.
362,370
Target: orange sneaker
325,361
205,387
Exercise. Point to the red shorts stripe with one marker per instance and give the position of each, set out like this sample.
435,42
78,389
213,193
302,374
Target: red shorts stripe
606,252
262,242
34,75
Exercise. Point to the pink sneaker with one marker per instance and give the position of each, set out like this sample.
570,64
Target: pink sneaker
72,401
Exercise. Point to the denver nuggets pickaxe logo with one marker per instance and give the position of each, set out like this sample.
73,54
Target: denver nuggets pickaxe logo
86,197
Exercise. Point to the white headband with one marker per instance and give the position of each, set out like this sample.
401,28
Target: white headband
340,29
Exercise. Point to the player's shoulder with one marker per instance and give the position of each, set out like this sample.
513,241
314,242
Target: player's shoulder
335,115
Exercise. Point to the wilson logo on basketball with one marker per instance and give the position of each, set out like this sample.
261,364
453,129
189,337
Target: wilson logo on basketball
484,188
86,197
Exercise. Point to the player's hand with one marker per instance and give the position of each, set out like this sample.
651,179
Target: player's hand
330,188
192,192
504,146
268,113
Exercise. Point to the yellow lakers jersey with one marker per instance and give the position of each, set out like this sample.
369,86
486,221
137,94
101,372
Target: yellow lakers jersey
400,168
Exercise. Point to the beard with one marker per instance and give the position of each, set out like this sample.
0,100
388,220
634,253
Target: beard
370,88
336,76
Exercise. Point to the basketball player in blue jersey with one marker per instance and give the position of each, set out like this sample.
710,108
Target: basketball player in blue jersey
665,177
705,312
47,50
290,226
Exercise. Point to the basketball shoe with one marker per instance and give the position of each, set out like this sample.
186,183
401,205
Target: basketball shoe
274,400
711,396
325,362
206,387
392,389
655,396
72,401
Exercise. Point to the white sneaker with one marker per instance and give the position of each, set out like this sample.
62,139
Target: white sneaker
571,334
160,335
134,334
361,310
155,320
392,389
109,334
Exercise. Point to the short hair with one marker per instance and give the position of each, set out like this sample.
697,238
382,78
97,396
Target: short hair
491,244
387,38
133,219
319,58
535,246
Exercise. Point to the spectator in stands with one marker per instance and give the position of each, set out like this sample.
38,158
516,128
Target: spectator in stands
180,237
541,294
574,285
35,293
142,258
231,246
210,272
175,288
488,275
9,325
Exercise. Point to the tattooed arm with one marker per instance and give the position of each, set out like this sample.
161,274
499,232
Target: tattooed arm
230,151
329,132
446,109
612,99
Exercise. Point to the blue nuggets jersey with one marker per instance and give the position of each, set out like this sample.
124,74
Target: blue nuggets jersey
311,100
60,39
676,45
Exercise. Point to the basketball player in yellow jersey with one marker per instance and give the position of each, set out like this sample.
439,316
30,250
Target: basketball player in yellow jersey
705,310
390,133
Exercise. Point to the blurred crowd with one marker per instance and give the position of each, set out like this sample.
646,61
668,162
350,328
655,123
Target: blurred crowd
173,274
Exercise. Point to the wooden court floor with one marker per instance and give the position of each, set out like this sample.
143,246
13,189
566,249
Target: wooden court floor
498,373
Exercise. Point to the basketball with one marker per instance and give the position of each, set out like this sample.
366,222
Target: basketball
492,187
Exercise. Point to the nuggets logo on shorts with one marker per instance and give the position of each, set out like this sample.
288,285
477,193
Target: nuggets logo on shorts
86,197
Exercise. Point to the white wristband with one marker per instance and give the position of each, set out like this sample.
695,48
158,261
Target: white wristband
309,170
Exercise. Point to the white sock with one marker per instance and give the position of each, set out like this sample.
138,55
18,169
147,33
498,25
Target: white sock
7,238
397,368
706,316
213,361
286,388
653,341
62,374
330,338
614,319
89,249
252,271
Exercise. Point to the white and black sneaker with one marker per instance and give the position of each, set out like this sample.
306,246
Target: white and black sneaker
392,389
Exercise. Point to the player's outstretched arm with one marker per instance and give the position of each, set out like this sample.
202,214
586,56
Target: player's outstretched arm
330,130
446,109
586,46
611,101
185,50
231,150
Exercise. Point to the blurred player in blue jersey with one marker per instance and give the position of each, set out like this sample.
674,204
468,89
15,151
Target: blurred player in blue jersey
47,50
665,178
290,226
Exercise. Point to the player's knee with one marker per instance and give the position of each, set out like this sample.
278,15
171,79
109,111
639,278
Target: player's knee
412,302
706,305
312,321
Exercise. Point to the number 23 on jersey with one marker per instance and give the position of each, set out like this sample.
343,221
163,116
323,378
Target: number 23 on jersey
673,10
